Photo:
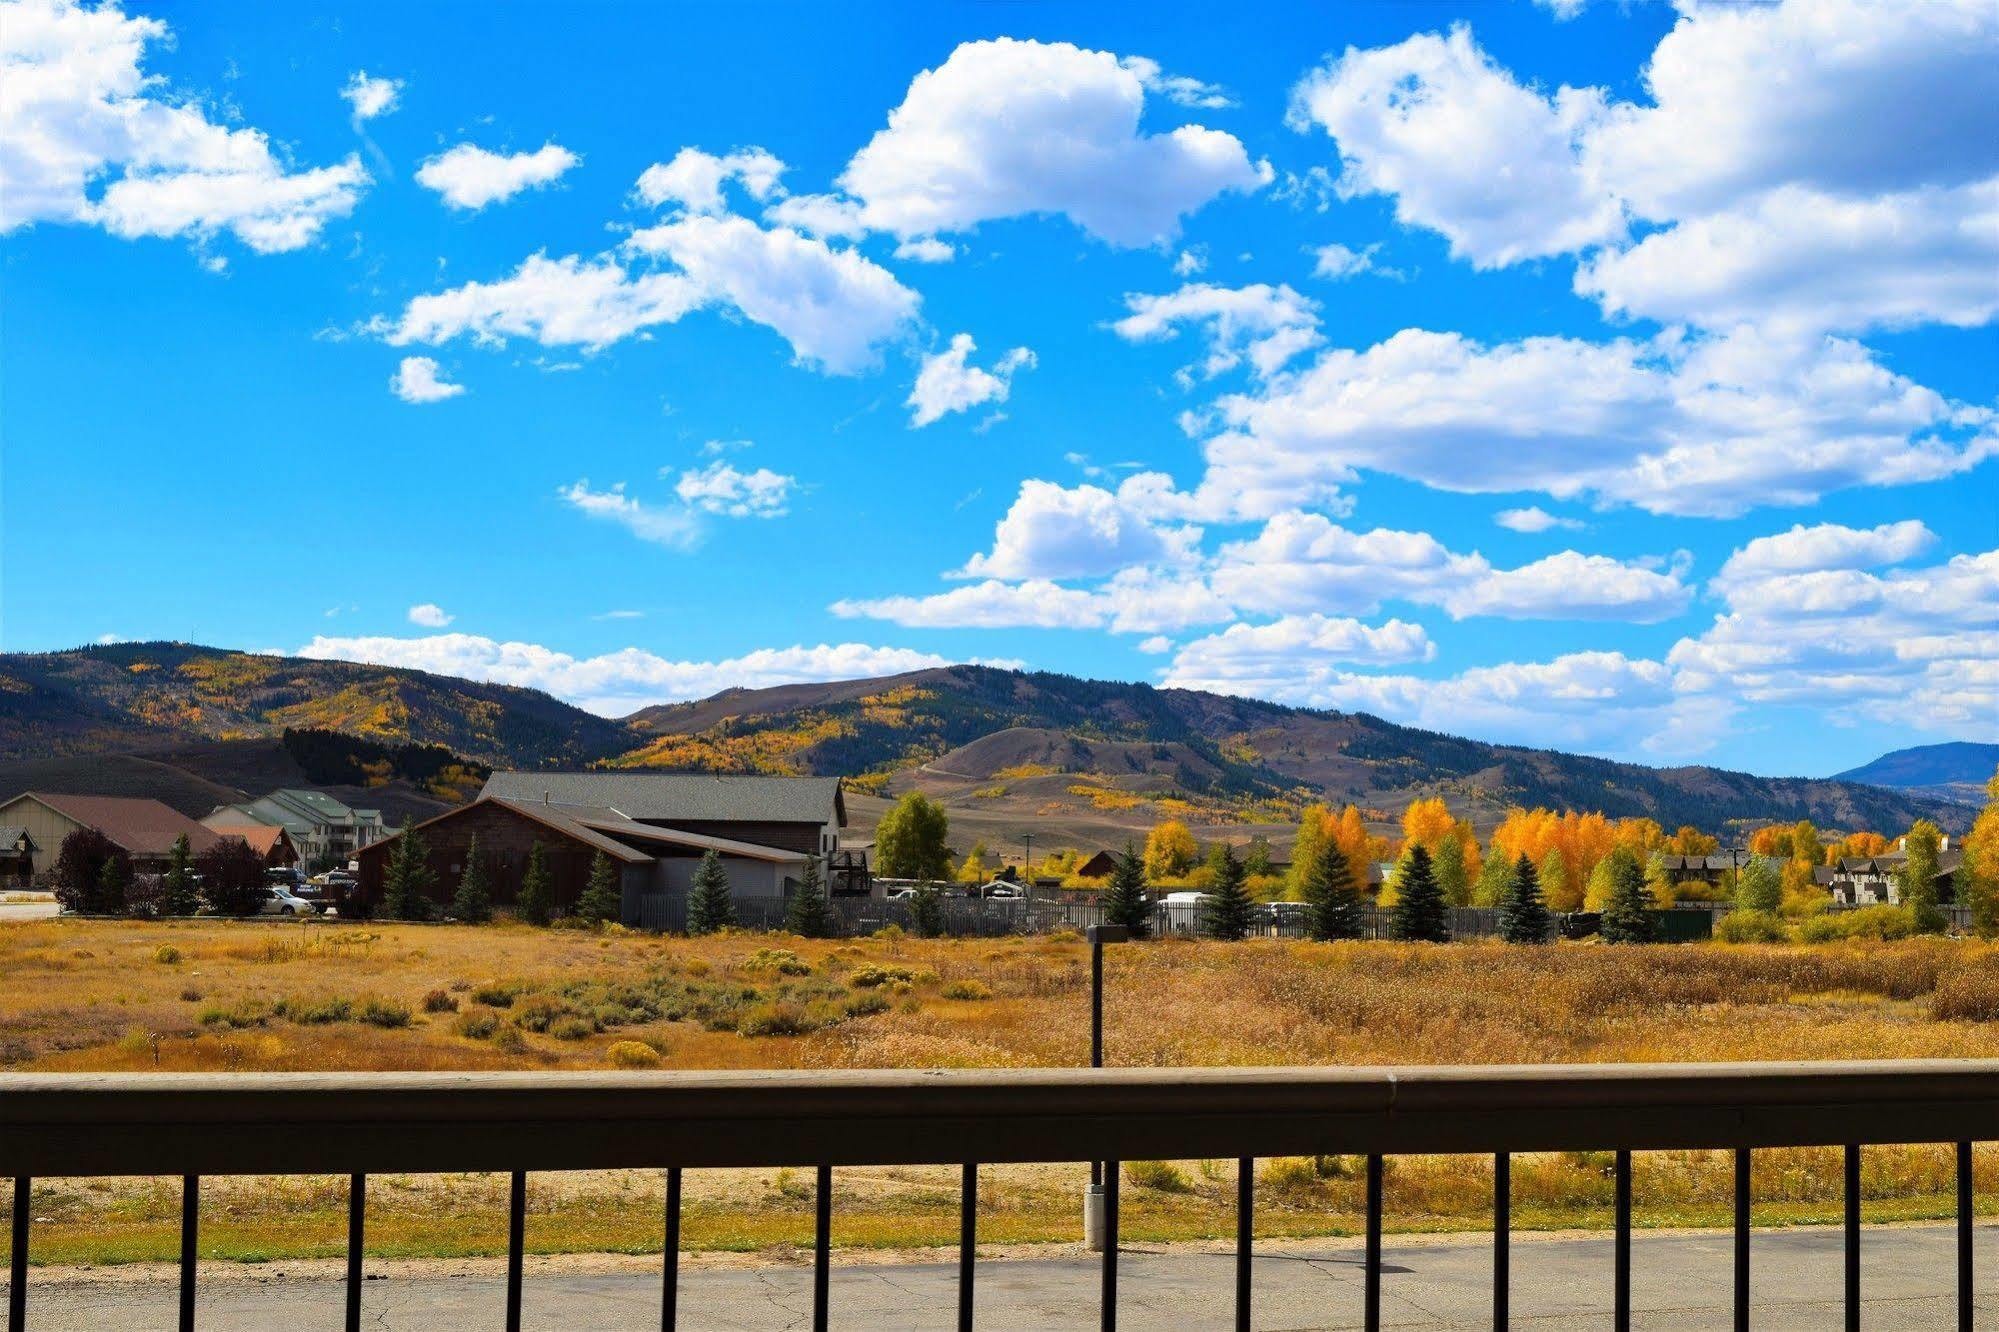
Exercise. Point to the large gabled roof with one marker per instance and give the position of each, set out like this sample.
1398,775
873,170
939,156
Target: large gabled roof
139,827
321,805
693,796
606,830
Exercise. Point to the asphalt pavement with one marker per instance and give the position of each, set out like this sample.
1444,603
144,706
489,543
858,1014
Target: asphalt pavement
1680,1281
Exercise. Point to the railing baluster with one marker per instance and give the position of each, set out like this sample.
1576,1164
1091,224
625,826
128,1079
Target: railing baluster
357,1213
1107,1297
517,1232
1742,1239
1852,1237
669,1287
968,1241
17,1258
1502,1240
1621,1318
190,1239
1371,1287
1964,1216
822,1249
1245,1236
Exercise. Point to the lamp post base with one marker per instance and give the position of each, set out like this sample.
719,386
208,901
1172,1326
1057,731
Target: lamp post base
1093,1217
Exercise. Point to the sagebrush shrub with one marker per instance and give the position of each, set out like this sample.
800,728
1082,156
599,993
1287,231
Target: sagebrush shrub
1159,1176
632,1054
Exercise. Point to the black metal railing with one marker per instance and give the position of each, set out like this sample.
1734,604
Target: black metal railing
356,1124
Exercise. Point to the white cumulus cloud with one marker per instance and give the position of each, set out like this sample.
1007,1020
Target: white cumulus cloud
87,137
430,615
1713,426
676,527
947,382
720,488
368,96
1463,147
693,180
1053,531
570,302
419,379
1533,518
1265,324
835,307
470,177
1008,128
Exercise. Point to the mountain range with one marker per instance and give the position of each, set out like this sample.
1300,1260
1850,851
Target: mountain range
1955,771
1010,753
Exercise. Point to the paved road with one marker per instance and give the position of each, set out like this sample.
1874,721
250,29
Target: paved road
43,910
1680,1282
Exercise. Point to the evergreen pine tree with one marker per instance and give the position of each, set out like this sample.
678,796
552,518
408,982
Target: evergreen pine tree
601,901
473,902
709,907
1523,916
806,914
535,903
178,893
113,880
1625,918
408,879
926,910
1124,898
1421,915
1332,901
1225,915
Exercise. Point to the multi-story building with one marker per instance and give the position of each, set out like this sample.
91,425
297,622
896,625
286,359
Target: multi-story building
326,832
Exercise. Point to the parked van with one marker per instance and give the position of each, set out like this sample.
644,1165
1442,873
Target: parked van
1181,912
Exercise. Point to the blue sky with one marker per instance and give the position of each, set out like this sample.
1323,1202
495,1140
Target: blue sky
1610,377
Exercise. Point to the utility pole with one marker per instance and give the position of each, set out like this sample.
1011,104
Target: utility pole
1027,870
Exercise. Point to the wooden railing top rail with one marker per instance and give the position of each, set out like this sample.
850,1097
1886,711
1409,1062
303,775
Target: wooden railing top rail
341,1123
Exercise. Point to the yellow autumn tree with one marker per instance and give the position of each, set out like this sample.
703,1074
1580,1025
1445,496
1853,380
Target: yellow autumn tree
1857,844
1360,847
1170,851
1641,837
1978,876
1691,841
1425,822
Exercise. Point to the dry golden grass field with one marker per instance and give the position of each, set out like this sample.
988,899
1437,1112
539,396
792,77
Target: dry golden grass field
210,995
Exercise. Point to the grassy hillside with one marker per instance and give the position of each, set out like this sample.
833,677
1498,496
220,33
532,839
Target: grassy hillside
140,696
1008,750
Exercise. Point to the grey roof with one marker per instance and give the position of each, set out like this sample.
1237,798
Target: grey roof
694,796
562,818
608,831
627,831
325,806
12,835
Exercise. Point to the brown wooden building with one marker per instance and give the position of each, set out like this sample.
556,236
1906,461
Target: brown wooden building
636,821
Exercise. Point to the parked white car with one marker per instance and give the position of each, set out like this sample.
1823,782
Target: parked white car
282,901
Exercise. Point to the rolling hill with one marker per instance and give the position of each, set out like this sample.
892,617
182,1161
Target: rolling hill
1070,761
1956,771
1009,751
137,696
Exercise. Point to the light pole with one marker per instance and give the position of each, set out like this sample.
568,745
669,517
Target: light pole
1093,1197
